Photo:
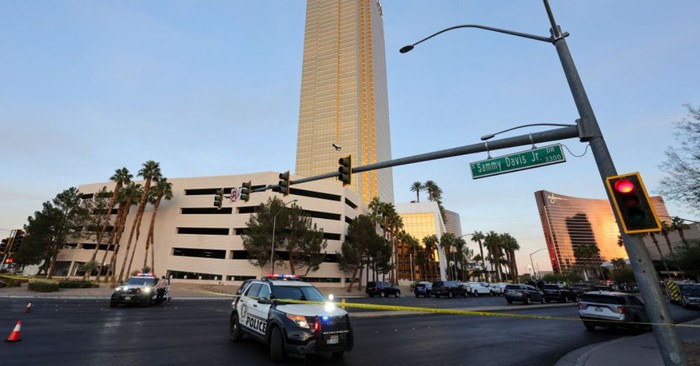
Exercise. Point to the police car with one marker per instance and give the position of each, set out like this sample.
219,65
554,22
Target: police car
140,289
291,317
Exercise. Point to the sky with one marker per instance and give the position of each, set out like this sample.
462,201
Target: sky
87,87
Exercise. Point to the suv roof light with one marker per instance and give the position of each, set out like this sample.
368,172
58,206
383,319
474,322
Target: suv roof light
281,276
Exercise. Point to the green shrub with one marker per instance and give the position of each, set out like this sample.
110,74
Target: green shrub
39,286
77,284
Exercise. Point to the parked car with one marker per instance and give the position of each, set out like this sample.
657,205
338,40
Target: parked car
422,289
448,288
559,293
690,296
580,288
382,288
497,288
477,289
526,294
612,309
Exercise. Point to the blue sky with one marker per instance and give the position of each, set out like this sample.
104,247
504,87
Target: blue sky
87,87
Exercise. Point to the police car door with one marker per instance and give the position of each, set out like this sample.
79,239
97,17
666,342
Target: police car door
253,313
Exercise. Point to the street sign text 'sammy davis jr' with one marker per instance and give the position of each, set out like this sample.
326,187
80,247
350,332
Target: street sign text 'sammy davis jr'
534,158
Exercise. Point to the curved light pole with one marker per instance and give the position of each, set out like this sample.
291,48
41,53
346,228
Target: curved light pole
589,131
272,246
532,264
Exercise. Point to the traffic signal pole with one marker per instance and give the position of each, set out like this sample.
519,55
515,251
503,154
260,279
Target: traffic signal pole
647,279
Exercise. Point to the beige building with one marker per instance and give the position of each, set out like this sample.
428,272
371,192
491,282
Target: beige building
344,108
196,241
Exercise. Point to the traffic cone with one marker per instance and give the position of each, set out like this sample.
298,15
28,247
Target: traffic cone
14,336
28,308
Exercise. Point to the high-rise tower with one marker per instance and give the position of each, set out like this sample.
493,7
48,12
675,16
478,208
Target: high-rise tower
344,107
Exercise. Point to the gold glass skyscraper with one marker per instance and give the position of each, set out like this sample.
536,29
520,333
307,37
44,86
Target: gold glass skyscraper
344,107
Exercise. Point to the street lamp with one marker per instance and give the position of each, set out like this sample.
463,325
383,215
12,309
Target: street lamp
532,264
589,131
272,246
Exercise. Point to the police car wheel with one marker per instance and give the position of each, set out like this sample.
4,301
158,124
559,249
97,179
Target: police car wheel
276,345
235,329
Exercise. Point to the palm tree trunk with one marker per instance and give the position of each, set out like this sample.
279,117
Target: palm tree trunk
151,227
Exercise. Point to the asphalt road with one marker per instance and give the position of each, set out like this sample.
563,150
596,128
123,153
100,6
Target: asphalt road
195,332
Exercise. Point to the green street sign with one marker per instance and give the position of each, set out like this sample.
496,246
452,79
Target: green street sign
548,155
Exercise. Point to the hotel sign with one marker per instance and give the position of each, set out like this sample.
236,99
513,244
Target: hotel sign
548,155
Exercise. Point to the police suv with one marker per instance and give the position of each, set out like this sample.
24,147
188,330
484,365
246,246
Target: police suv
140,289
290,316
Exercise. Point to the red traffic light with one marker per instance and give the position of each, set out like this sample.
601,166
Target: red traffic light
624,186
634,208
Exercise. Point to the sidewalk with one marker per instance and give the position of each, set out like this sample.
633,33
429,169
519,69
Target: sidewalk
641,350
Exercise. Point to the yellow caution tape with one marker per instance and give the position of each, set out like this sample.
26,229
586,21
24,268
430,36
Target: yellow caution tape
416,309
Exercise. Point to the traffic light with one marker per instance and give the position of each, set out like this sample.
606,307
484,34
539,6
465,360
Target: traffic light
284,183
3,245
19,235
632,204
219,198
245,191
345,170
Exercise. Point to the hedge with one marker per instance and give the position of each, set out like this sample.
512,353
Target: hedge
39,286
77,284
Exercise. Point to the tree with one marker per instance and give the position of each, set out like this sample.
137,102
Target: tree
417,187
682,165
149,171
665,229
305,243
385,215
48,230
431,244
126,198
361,232
509,246
492,241
688,258
678,225
587,256
162,189
120,177
478,237
293,232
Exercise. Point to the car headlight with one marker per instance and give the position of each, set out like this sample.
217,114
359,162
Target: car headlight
147,290
299,320
118,289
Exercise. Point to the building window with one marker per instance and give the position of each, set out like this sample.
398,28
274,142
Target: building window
202,231
206,211
199,253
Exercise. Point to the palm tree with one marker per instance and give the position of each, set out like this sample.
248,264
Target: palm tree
658,248
431,243
150,170
478,237
434,192
665,229
510,245
678,225
120,177
492,242
587,255
385,215
126,198
162,189
417,187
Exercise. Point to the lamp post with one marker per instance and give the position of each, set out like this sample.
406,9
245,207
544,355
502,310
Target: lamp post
272,246
589,131
532,264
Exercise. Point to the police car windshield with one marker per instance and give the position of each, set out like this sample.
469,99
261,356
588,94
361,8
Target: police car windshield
304,293
141,281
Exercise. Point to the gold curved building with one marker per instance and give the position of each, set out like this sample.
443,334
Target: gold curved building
569,222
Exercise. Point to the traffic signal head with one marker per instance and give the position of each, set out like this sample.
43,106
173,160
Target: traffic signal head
3,245
284,183
219,198
345,170
632,204
19,235
245,191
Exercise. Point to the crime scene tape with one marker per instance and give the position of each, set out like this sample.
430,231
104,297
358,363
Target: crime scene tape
416,309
